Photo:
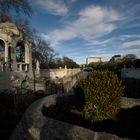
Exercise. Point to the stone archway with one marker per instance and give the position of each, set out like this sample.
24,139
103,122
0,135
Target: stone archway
9,53
2,55
20,52
24,84
2,50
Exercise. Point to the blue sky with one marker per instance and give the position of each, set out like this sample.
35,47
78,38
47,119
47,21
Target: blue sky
89,28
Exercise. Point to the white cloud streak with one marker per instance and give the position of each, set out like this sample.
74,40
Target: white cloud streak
127,36
72,1
131,44
93,21
55,7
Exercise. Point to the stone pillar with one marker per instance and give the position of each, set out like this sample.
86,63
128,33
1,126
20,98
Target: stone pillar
13,56
6,53
20,67
65,70
26,53
26,67
30,60
37,68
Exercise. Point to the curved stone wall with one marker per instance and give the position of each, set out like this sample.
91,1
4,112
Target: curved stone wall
129,102
35,126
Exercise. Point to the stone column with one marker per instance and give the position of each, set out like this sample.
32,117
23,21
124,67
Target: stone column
6,53
37,68
20,67
66,70
26,67
31,74
26,53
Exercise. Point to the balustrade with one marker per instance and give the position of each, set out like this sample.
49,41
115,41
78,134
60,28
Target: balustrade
22,66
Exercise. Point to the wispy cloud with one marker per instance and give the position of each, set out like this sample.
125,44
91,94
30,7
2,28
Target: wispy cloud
93,21
72,1
131,44
100,42
55,7
128,36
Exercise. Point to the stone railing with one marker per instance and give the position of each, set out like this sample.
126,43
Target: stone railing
22,66
5,66
58,73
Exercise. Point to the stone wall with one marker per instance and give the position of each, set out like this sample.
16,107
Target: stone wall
35,126
5,80
63,79
58,73
130,73
57,85
129,102
132,87
16,80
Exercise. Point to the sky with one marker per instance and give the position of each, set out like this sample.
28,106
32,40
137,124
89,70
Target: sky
89,28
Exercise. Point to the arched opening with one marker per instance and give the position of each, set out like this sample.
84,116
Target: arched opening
9,53
2,49
20,52
24,84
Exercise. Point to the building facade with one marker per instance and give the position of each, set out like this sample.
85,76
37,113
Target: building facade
94,60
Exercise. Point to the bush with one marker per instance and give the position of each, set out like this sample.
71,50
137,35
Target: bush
12,106
100,95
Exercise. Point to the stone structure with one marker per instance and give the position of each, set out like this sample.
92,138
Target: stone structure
117,58
129,102
16,63
130,73
56,80
34,125
131,79
15,58
58,73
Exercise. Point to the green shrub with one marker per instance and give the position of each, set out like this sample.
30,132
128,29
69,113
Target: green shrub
79,92
100,95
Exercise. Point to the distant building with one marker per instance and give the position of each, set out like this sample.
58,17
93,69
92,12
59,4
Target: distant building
94,60
116,58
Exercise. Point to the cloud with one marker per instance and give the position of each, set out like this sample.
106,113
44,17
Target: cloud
125,37
72,1
93,21
55,7
130,44
94,26
100,42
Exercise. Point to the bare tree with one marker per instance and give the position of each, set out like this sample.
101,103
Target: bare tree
18,6
24,26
